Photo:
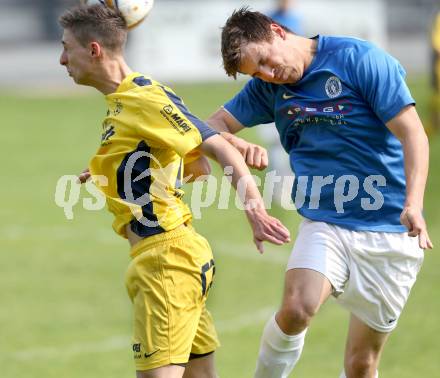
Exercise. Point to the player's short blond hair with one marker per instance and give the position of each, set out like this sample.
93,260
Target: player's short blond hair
96,22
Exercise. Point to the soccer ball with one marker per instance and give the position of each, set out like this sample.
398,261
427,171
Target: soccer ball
134,11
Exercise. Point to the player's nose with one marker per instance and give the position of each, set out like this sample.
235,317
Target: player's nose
267,73
63,59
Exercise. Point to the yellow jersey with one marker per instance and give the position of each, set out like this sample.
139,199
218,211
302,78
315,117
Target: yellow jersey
139,166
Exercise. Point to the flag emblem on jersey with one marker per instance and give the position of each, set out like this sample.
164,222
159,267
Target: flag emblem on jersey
333,87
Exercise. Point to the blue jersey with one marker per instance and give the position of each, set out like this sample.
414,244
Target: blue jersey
348,166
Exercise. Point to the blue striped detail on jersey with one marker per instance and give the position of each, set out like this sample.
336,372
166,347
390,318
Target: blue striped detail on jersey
139,188
204,129
141,81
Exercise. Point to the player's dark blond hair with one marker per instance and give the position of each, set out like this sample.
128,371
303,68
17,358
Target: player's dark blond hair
96,23
242,27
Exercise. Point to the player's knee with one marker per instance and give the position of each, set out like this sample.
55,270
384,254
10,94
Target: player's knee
361,365
297,314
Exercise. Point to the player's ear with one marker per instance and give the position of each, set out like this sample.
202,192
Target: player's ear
95,49
278,30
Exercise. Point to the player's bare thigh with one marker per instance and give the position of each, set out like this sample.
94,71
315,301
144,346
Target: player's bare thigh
305,290
203,367
169,371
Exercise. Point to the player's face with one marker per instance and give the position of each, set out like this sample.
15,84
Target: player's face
271,62
76,58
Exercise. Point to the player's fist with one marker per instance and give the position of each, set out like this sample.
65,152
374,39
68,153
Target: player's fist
84,176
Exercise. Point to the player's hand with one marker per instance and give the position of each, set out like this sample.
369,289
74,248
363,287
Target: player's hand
84,176
254,155
267,228
412,219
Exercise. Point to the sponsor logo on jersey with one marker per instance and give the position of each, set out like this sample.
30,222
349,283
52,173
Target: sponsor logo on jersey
332,113
168,109
333,87
287,96
146,355
175,120
108,132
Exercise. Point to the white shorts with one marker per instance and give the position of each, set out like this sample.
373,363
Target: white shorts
371,273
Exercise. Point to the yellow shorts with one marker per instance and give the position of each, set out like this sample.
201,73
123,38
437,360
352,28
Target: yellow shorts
168,281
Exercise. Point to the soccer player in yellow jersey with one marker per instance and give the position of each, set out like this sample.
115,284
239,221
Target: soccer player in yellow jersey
149,141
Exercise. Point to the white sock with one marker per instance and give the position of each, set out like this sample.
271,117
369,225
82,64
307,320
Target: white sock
344,376
278,352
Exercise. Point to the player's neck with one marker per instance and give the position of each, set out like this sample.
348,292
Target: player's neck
304,47
110,75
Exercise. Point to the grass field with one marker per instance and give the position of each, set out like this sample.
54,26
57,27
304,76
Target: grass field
64,311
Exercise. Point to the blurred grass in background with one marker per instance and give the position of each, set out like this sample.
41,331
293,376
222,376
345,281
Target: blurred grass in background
63,307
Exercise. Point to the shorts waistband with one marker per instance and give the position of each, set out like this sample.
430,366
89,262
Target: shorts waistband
164,237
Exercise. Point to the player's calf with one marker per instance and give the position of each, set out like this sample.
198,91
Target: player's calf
363,350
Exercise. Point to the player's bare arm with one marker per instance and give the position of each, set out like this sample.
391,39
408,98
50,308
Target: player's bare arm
264,227
408,128
254,155
196,168
193,169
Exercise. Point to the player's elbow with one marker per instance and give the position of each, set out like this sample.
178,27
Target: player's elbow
204,168
198,169
217,122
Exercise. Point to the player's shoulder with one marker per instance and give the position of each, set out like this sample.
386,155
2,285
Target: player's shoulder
137,88
146,85
256,85
352,52
348,45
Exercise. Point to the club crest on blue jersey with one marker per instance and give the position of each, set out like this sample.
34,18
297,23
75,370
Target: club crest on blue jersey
333,87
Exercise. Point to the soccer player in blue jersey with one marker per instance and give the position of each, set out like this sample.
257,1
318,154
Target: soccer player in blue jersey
360,156
150,142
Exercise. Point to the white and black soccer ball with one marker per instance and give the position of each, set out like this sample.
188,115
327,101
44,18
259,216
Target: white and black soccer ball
134,11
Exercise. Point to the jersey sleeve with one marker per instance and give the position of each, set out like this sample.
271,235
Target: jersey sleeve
253,105
381,80
192,156
165,122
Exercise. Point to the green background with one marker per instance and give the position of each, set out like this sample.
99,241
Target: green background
64,311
